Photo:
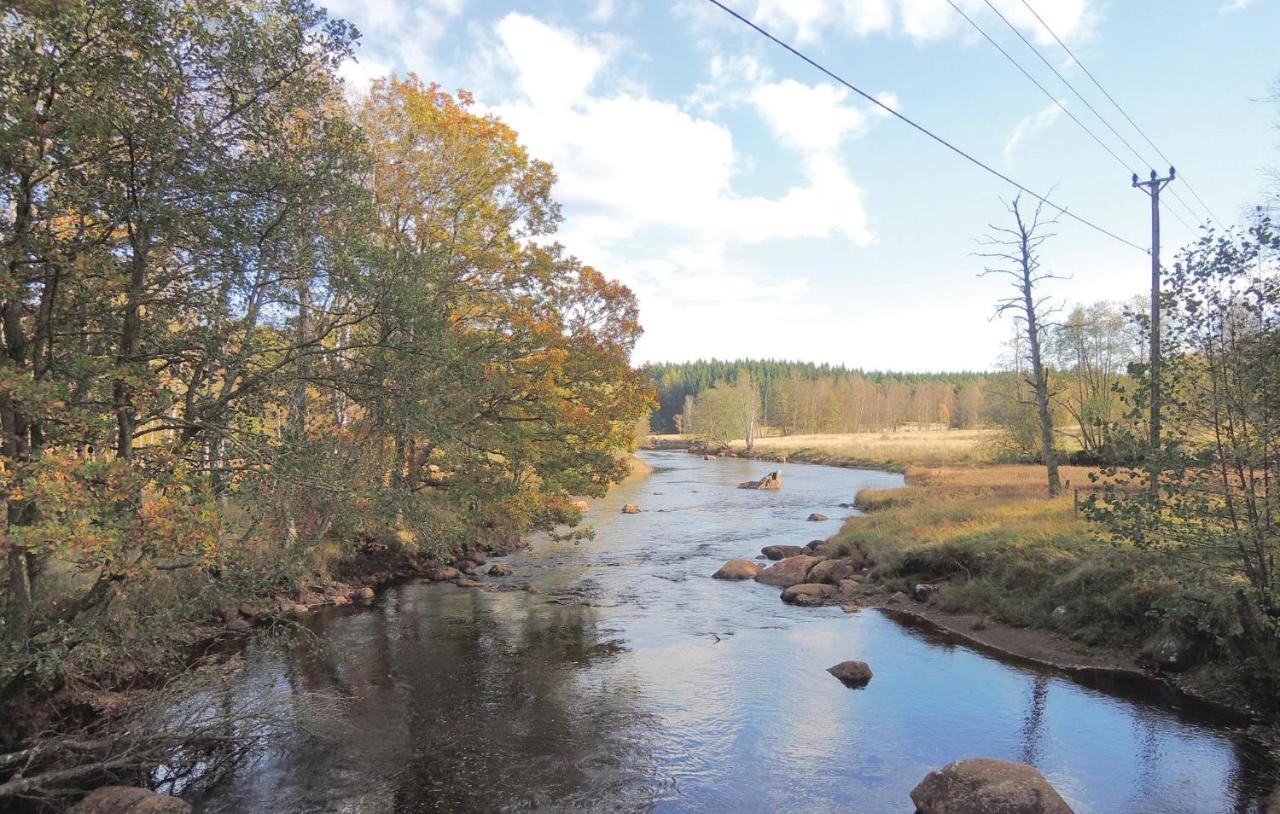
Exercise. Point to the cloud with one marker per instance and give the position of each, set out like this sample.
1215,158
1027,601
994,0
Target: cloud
403,30
1029,126
1234,6
650,186
807,21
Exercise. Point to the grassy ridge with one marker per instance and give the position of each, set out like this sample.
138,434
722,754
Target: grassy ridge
995,545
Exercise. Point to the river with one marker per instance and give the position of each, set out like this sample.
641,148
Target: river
634,682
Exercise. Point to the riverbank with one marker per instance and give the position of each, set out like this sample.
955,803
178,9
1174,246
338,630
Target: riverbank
203,642
987,550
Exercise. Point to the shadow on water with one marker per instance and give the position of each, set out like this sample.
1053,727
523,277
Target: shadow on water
633,681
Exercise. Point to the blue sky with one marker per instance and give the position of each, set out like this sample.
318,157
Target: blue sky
758,210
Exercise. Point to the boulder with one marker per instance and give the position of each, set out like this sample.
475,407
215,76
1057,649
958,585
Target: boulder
781,552
464,582
738,569
850,607
129,800
500,569
771,482
631,508
445,574
465,566
476,556
814,545
817,518
1059,612
833,572
809,594
852,673
923,592
366,594
986,786
896,598
708,457
788,572
1172,653
581,506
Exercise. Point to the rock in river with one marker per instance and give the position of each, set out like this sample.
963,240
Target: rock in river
781,552
738,569
791,571
500,569
809,594
129,800
986,786
853,674
817,518
770,482
833,571
631,508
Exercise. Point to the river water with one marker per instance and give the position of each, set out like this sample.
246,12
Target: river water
635,682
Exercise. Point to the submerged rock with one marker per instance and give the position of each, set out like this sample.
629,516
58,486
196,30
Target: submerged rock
817,518
738,569
445,574
463,582
129,800
852,673
781,552
987,786
809,594
788,572
500,569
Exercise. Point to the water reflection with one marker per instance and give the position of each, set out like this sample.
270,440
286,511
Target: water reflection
635,682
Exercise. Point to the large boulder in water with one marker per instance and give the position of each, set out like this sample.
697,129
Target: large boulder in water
129,800
631,508
781,552
852,673
770,482
809,594
986,786
791,571
738,569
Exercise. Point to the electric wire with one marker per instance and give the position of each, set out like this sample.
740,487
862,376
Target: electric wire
1114,103
921,128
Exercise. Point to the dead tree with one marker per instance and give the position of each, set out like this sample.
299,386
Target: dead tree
1015,253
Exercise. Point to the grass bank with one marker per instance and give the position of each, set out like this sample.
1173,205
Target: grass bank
994,545
893,450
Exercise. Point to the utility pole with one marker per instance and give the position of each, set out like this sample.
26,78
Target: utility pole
1153,187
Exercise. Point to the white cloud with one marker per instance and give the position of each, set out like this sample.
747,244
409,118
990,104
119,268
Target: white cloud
403,31
649,186
808,21
1234,6
1029,126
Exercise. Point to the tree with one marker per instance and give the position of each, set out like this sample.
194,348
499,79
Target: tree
1017,251
1218,504
1093,348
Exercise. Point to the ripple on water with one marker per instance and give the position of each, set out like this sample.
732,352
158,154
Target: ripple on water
658,688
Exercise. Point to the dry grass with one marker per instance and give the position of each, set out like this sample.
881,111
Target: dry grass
896,450
998,546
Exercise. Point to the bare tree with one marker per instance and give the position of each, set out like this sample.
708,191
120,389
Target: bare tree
1015,252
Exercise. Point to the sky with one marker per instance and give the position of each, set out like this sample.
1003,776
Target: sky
758,209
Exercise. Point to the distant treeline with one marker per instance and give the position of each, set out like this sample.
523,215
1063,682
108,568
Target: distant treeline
803,397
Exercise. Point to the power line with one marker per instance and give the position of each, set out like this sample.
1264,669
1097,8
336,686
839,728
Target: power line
1043,89
1014,62
1112,100
1078,94
922,128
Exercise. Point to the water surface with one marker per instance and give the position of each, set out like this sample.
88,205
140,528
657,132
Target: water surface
634,682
